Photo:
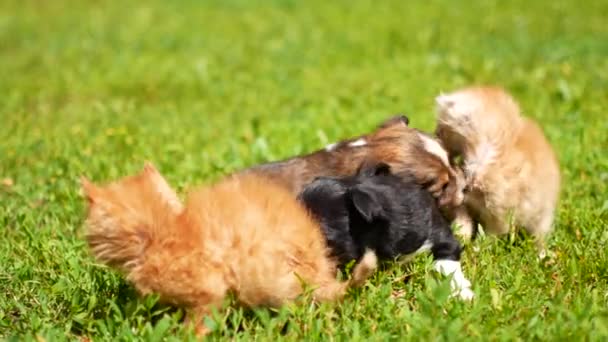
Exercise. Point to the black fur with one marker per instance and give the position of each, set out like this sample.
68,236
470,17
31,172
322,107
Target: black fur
374,209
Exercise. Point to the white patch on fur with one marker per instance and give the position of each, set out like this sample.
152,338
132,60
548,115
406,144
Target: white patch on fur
461,286
456,108
357,143
331,147
444,101
426,246
483,155
433,147
365,268
369,259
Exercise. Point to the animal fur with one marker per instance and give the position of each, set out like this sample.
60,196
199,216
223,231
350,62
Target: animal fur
406,150
510,167
243,235
393,216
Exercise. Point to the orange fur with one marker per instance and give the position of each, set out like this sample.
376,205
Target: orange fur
244,235
510,166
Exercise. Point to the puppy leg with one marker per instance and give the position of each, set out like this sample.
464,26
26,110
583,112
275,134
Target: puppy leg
461,286
364,268
465,225
446,252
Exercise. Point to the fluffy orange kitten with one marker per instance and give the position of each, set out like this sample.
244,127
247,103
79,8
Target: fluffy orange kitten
244,235
511,170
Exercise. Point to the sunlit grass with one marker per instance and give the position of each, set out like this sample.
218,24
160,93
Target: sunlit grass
203,89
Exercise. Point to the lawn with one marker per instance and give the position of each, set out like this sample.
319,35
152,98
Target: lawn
206,88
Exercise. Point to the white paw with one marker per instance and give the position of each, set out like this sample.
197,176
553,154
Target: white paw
461,286
465,294
462,283
546,254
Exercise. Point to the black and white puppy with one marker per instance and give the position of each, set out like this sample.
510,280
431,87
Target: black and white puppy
394,216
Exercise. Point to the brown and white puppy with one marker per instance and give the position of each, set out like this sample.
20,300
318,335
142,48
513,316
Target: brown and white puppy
510,168
405,149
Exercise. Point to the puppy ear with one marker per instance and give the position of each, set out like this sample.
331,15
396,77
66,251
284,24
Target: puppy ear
382,169
323,179
366,203
374,169
400,119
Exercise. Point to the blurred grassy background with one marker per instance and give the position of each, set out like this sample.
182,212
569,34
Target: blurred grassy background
205,88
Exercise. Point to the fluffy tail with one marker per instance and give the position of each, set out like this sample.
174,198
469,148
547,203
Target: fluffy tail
486,114
120,248
127,216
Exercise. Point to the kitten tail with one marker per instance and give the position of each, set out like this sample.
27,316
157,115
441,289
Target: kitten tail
120,229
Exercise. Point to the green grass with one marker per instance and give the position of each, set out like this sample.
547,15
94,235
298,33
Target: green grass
206,88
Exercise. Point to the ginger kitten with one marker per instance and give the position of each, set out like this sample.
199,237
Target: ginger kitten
243,235
510,168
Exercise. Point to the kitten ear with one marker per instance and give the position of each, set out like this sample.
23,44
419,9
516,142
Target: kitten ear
162,187
366,203
89,190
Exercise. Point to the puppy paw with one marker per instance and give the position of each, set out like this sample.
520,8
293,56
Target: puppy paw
461,286
465,294
546,255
